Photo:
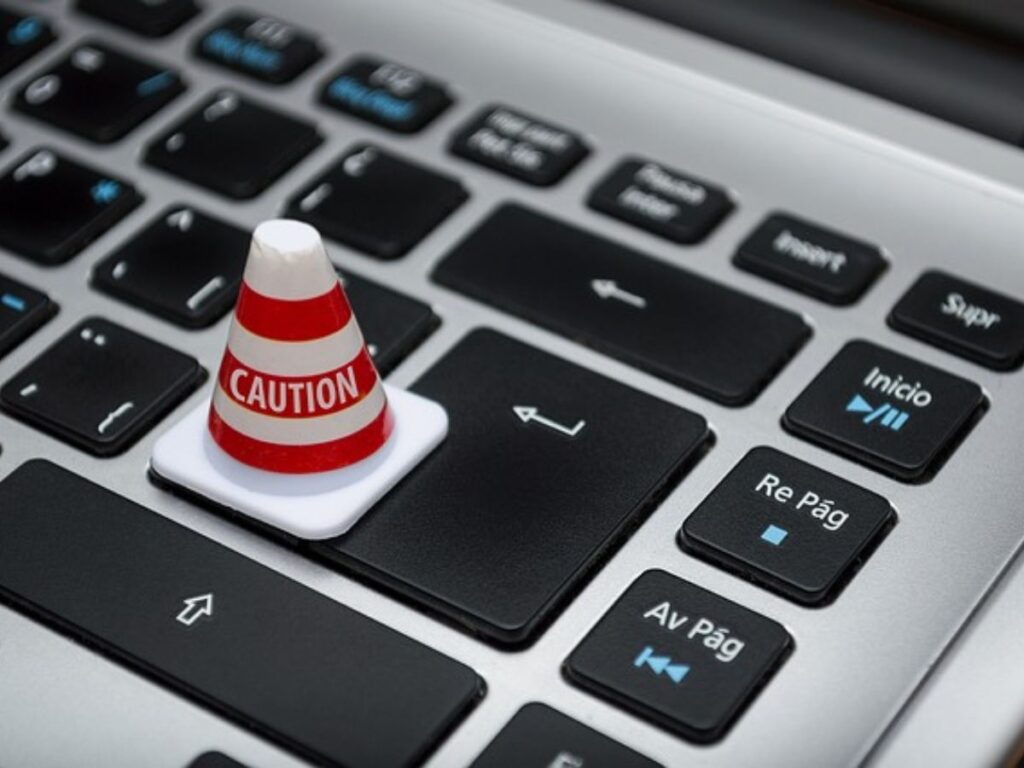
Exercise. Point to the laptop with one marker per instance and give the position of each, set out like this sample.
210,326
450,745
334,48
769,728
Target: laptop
724,308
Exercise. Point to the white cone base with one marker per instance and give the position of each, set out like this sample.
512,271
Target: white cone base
310,506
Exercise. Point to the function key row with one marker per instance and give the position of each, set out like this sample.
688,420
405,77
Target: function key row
261,47
101,94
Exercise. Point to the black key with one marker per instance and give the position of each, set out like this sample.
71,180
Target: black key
385,93
265,651
581,459
150,18
884,409
21,37
820,262
214,760
3,142
98,92
519,145
963,318
22,311
660,200
541,737
687,330
185,266
392,324
679,655
262,47
52,207
788,525
101,386
377,202
233,145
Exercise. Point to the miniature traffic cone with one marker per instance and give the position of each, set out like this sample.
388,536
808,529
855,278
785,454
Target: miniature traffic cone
297,391
300,433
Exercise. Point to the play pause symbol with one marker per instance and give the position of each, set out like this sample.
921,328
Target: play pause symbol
885,415
661,665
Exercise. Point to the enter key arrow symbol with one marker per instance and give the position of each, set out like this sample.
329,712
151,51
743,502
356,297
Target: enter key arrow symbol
609,289
528,413
196,608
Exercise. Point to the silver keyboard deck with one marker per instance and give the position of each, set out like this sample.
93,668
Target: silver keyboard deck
933,195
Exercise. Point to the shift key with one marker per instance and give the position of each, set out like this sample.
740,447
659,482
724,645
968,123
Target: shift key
312,675
690,331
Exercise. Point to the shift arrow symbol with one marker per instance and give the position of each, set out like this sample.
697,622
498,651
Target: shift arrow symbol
528,413
609,289
195,608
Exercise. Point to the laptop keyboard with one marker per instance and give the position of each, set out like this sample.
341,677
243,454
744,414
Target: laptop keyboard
576,529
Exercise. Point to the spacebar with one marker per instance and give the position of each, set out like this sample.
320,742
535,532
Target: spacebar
304,671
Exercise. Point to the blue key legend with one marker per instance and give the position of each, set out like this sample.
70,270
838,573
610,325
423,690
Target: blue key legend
773,534
155,84
890,416
661,665
14,302
105,191
25,31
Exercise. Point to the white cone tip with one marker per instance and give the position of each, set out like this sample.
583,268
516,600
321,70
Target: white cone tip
287,260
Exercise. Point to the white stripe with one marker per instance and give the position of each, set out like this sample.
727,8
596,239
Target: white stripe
307,431
295,358
287,260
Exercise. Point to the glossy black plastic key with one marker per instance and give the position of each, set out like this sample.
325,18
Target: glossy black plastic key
150,18
233,145
545,468
688,330
22,311
22,36
377,202
274,656
887,410
812,259
681,656
385,93
100,386
661,200
51,207
541,737
519,145
265,48
98,92
964,318
185,266
788,525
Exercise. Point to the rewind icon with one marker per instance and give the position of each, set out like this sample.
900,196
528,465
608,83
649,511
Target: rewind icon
661,665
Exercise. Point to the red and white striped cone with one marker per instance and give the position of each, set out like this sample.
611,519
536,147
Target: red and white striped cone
300,432
297,390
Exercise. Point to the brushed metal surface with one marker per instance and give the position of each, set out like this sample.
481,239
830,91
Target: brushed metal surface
931,194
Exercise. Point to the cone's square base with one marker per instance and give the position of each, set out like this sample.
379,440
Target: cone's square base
310,506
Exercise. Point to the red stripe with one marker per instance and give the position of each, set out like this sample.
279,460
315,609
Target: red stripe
295,394
302,459
298,320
